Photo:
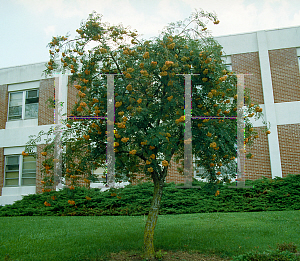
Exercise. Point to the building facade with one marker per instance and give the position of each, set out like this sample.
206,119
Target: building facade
272,57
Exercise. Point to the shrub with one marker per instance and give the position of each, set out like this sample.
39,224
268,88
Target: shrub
278,194
291,247
268,255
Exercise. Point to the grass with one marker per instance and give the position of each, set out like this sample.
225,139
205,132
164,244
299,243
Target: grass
230,224
95,237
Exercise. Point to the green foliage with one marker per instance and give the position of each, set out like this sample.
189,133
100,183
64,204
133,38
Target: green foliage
268,255
291,247
149,98
159,255
278,194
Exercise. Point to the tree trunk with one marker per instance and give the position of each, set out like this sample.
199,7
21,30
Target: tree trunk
149,252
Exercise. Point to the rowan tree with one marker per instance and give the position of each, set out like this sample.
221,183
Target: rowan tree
149,103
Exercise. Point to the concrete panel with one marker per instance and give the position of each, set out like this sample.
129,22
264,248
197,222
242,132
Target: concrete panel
17,191
14,150
239,43
270,112
19,137
23,86
287,112
20,124
20,74
12,194
247,42
283,38
9,200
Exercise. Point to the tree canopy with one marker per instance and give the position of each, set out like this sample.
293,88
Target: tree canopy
149,102
149,97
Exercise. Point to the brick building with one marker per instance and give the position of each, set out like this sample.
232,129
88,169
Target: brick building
272,56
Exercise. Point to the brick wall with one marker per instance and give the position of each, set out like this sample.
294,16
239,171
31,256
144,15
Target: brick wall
260,164
289,144
72,99
285,75
39,177
249,63
46,114
1,169
140,175
39,160
172,176
3,105
80,182
173,173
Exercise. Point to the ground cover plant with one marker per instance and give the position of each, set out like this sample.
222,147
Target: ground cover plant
266,195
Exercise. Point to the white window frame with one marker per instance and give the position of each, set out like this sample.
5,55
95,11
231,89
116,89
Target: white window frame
227,61
23,103
20,171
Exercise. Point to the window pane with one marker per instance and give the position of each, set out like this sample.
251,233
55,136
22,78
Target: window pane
15,105
12,167
29,165
30,174
12,170
11,175
15,112
12,182
12,160
29,171
26,171
29,158
16,99
32,96
28,182
31,110
32,100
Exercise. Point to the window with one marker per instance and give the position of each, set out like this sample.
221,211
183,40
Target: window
23,105
20,171
227,61
229,67
28,171
100,173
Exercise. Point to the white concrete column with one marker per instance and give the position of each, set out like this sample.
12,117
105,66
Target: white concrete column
61,90
188,157
110,152
270,115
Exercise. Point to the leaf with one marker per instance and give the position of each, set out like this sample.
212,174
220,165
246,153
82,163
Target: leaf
211,188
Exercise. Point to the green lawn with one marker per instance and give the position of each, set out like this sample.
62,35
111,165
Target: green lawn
92,237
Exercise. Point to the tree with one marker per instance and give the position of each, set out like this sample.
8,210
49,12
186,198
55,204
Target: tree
149,107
